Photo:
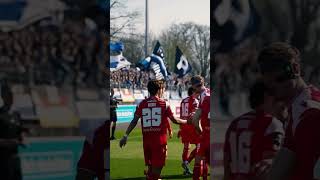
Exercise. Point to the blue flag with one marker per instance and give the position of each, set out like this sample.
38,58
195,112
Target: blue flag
158,50
182,66
117,47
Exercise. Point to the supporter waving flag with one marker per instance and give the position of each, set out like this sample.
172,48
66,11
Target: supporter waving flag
155,63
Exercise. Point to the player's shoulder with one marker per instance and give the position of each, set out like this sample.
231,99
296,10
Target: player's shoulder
186,99
274,126
142,103
243,121
306,106
206,92
99,129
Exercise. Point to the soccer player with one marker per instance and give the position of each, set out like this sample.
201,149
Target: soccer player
253,139
154,113
94,161
298,159
188,132
201,121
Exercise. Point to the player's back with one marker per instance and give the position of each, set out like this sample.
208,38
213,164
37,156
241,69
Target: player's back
154,113
184,108
188,132
247,138
302,134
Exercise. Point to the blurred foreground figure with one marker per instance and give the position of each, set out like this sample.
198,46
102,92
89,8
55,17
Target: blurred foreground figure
253,139
299,157
10,136
94,161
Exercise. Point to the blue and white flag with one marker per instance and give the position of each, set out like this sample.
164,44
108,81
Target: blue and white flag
16,14
158,67
155,63
117,60
182,66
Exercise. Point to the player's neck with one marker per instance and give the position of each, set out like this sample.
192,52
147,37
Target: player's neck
203,88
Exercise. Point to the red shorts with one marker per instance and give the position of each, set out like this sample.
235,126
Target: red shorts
189,135
155,155
204,148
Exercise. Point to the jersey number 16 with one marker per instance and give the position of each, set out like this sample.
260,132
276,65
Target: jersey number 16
240,152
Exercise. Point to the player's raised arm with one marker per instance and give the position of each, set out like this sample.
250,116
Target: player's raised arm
131,126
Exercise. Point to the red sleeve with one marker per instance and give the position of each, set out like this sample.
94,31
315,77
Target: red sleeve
193,105
169,112
138,111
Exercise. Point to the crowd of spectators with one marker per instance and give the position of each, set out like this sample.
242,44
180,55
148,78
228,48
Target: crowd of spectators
55,54
133,78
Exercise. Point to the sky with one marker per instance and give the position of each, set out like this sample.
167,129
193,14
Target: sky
162,13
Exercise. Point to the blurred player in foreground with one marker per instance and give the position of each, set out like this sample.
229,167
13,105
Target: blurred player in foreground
154,113
94,161
188,132
11,136
201,121
253,139
298,159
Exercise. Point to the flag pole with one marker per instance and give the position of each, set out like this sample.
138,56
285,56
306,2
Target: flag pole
146,30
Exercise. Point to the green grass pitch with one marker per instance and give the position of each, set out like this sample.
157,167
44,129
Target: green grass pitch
128,163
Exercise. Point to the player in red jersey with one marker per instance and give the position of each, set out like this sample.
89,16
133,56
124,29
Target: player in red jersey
154,113
298,159
253,139
94,161
188,132
201,120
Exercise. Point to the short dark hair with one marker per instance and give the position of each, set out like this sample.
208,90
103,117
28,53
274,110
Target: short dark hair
190,91
197,79
277,55
256,94
154,86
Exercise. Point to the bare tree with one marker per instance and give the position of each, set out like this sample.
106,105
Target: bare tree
121,19
193,40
